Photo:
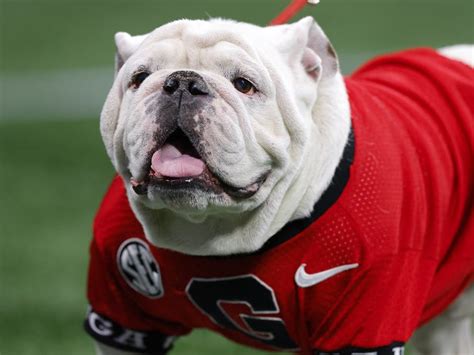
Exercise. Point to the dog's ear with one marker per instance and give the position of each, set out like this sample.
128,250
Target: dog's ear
307,42
126,45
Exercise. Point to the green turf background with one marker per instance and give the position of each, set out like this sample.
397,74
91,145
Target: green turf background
53,173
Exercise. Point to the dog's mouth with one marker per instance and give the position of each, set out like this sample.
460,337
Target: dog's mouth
178,165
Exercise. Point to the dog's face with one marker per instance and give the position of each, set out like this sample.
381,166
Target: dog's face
206,117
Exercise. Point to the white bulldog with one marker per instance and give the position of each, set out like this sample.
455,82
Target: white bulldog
224,132
261,180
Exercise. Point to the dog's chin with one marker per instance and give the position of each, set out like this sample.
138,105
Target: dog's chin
190,201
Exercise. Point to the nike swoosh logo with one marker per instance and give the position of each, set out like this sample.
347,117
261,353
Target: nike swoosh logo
303,279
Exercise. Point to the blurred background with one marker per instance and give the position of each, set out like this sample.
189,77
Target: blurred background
56,66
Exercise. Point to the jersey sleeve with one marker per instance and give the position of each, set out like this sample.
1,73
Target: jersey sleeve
115,319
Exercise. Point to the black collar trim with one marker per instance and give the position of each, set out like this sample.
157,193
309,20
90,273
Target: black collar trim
328,198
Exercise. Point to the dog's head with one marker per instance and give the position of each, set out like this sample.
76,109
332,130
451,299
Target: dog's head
208,117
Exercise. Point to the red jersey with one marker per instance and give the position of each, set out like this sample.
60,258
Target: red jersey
388,246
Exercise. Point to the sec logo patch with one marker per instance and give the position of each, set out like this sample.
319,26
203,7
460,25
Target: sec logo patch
139,268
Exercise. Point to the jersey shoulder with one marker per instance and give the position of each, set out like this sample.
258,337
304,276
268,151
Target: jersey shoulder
419,75
115,220
427,60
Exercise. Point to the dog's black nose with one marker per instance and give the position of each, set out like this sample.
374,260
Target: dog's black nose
186,80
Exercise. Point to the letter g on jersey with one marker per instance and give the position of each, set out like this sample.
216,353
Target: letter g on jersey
139,268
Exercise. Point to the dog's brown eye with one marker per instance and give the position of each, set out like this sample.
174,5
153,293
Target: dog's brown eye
244,86
137,79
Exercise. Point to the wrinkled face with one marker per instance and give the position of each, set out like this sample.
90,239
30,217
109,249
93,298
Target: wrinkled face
205,117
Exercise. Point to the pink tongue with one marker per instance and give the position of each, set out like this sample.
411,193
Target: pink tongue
169,162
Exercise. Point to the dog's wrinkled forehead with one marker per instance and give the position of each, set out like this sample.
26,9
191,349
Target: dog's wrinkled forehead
202,33
198,44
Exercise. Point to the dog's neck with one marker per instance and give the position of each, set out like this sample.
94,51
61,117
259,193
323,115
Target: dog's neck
293,197
332,124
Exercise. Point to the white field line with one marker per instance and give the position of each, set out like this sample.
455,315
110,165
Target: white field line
54,95
74,93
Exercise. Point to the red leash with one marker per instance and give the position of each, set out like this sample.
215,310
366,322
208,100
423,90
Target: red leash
291,10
